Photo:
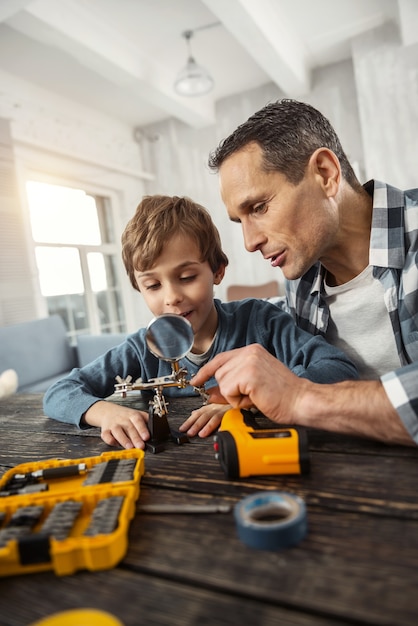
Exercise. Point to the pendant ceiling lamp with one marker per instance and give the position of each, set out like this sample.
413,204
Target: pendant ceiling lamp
193,79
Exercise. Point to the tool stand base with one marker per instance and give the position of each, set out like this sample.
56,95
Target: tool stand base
161,432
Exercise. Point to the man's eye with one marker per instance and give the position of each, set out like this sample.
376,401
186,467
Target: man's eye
260,208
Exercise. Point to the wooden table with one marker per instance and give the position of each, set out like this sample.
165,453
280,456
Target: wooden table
357,565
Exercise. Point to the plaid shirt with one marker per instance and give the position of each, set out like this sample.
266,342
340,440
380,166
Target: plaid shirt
394,257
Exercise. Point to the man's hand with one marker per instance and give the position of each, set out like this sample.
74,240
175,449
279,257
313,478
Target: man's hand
251,376
205,420
119,425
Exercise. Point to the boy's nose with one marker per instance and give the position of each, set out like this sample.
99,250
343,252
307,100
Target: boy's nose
172,295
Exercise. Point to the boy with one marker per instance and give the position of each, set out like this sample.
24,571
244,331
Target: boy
172,253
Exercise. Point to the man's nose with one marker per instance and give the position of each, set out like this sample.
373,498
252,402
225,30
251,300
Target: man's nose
252,237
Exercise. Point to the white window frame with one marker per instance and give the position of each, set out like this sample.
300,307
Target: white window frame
26,171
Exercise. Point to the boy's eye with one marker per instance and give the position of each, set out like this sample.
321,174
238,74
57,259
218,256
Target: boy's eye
188,278
153,286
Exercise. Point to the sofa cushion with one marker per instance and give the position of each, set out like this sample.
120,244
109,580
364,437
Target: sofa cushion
42,385
89,347
38,351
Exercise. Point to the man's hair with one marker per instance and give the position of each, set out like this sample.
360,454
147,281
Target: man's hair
288,133
157,218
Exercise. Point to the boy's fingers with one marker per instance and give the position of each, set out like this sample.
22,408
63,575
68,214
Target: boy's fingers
215,396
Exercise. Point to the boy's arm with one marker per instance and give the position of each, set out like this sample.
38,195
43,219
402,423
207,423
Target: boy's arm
68,399
306,355
320,362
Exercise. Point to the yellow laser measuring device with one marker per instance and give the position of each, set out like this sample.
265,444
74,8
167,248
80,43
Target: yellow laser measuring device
243,448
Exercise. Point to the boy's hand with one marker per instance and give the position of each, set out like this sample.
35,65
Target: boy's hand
119,425
205,420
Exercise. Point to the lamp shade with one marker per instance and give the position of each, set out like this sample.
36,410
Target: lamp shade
193,80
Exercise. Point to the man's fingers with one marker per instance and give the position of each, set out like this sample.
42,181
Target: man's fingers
210,368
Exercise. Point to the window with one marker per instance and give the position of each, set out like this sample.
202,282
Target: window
77,258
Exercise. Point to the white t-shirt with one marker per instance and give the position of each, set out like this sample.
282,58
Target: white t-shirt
360,325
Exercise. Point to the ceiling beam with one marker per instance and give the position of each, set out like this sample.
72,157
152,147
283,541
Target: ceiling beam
8,8
263,29
75,30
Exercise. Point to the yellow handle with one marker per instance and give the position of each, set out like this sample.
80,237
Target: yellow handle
79,617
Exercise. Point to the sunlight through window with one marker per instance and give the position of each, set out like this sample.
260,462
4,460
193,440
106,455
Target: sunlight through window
76,257
62,215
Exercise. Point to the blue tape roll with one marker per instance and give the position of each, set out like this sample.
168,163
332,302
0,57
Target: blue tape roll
271,520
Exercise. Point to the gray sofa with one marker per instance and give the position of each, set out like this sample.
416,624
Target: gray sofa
40,353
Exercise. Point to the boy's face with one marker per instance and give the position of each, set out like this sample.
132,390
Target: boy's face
180,283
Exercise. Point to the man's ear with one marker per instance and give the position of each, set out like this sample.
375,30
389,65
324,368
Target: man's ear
325,166
218,275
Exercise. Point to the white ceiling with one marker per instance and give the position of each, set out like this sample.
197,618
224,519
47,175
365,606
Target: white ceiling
121,56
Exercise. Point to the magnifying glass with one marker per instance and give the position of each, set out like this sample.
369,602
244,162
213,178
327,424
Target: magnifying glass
169,337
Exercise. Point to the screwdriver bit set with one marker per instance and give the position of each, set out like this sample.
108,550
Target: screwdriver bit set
68,515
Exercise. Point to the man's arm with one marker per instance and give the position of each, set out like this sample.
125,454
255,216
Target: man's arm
251,376
355,408
402,390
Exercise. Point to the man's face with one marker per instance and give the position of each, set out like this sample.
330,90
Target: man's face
291,225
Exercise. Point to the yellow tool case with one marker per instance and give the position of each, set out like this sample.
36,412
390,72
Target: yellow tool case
68,515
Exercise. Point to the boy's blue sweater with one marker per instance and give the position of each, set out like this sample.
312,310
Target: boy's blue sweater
239,323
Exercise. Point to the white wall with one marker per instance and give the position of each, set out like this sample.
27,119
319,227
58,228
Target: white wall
67,144
387,90
372,101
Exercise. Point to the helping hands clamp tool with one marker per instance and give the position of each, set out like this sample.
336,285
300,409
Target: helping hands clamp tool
169,337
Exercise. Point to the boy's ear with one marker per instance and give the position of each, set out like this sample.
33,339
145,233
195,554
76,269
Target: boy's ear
218,275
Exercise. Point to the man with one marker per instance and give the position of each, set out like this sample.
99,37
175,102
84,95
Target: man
350,257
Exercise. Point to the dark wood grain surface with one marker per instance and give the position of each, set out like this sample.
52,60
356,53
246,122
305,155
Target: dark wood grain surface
357,565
